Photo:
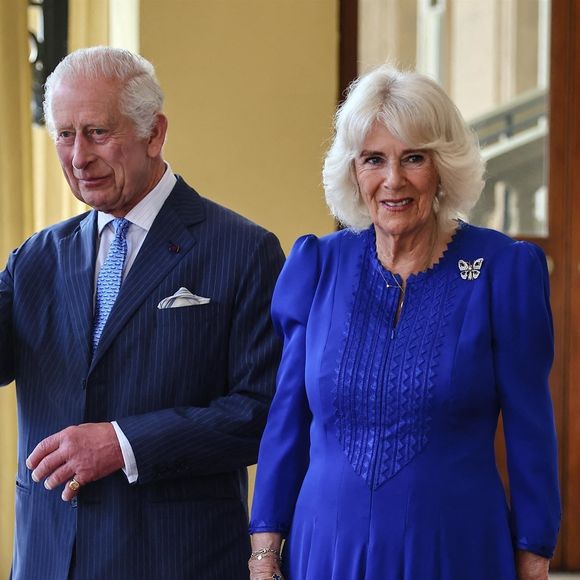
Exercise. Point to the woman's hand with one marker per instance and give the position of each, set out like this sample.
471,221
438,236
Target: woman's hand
531,566
264,563
265,569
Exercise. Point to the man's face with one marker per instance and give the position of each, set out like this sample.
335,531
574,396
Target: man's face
106,165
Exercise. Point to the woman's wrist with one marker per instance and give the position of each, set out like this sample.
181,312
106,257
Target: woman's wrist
267,551
271,540
531,566
265,559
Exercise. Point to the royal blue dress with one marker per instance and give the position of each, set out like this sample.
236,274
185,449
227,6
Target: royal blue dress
378,458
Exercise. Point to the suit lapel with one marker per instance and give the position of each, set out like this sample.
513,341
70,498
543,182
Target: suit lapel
168,241
78,254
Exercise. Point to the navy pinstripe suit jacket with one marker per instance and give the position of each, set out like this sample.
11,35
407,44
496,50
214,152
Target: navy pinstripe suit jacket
190,387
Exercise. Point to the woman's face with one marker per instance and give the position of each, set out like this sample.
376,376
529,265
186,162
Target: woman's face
397,184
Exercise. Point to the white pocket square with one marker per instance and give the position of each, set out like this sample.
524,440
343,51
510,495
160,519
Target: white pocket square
183,297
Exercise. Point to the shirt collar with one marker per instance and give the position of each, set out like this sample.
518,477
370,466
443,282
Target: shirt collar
145,212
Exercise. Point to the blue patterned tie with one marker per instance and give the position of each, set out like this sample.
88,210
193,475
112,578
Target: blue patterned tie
110,278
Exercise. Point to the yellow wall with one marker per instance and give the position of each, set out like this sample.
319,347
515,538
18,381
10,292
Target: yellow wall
250,91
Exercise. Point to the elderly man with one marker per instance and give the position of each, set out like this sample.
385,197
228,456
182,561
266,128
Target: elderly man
140,341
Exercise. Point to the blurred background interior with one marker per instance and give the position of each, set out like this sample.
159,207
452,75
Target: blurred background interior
251,87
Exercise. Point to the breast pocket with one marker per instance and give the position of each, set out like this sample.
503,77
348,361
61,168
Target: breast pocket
189,327
179,315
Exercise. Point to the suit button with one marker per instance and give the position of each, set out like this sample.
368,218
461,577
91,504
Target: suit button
73,502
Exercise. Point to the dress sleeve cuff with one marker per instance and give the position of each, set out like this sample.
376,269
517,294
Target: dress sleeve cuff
543,550
257,527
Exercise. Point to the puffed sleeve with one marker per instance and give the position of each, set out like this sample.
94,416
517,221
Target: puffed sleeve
284,451
523,355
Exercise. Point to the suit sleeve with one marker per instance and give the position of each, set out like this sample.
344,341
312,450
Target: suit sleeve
225,435
523,347
6,340
284,451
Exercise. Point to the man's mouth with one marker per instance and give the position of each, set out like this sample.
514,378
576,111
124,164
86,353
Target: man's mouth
91,180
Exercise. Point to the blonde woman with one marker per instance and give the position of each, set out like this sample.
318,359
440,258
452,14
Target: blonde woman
405,335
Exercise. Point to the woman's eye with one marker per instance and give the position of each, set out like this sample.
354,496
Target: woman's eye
414,159
373,160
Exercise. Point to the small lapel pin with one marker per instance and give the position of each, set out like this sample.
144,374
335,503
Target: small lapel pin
174,248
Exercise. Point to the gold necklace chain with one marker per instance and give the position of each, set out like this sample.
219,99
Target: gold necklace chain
396,282
401,296
402,288
394,278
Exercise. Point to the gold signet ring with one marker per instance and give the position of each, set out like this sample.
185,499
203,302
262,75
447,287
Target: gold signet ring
74,484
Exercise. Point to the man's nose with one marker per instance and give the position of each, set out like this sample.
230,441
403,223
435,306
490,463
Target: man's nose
82,152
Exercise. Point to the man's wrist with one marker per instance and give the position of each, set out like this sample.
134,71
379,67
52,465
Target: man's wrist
130,468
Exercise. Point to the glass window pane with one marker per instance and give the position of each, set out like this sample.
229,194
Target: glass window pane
492,58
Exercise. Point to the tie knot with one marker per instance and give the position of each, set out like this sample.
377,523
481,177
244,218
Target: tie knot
121,225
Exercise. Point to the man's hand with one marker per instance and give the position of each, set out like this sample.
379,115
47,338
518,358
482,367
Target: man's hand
86,452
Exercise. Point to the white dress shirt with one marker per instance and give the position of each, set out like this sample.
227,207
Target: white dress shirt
141,218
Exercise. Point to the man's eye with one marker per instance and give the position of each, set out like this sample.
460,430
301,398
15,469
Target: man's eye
98,132
65,134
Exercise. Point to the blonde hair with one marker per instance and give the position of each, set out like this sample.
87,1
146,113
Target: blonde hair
417,111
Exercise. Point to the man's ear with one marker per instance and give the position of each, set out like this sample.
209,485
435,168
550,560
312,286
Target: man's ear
157,137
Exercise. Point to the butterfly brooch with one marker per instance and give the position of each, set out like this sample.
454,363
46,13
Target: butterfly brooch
468,270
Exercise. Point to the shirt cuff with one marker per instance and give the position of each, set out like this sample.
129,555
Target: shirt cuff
130,469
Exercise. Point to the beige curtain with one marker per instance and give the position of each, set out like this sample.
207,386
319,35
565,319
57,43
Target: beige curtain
33,193
15,219
53,201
